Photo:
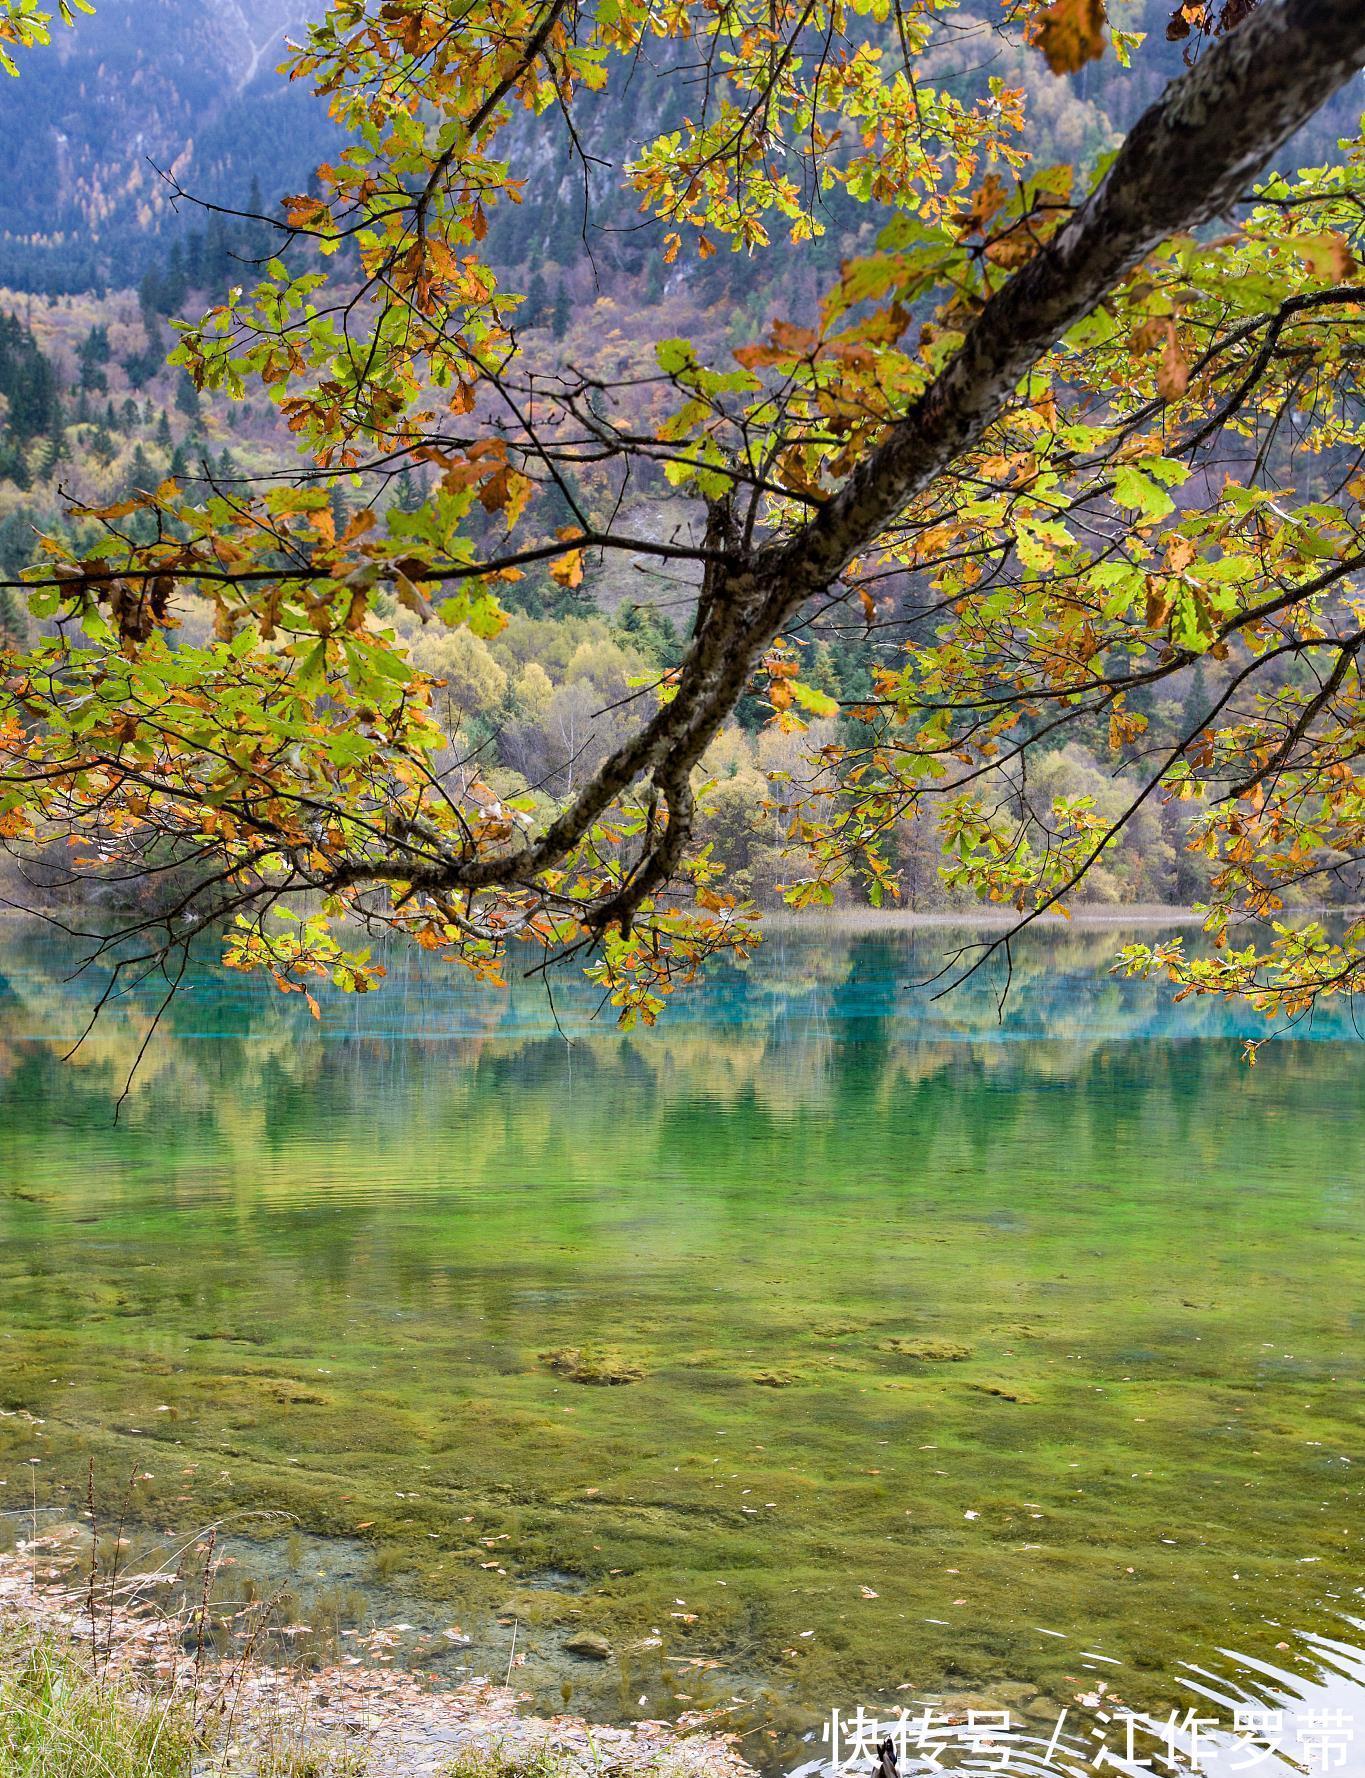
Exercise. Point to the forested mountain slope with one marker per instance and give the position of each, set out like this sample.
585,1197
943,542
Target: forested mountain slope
90,412
191,87
188,86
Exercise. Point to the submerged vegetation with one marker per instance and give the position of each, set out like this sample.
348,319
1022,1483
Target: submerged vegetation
883,1263
591,1364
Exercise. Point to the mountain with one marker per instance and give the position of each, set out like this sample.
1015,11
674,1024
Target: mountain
187,86
191,87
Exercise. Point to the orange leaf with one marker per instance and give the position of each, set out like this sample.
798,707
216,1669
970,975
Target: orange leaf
794,339
1173,376
1159,602
496,491
1071,33
986,201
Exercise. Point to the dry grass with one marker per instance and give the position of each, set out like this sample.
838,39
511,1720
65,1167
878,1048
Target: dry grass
57,1720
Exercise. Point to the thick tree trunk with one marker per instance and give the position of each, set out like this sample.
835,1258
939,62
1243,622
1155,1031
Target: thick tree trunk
1187,160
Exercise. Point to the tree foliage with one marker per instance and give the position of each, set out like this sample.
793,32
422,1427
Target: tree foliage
1053,437
24,23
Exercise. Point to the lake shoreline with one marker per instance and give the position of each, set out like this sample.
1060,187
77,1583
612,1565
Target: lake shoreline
249,1714
839,920
978,919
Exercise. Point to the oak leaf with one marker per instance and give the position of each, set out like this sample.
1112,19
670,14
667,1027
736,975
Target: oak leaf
567,570
1173,373
1071,33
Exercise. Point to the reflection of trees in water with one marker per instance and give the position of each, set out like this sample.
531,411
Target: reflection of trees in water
816,1058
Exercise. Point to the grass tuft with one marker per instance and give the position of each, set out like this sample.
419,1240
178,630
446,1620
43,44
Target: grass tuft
59,1721
312,1762
502,1762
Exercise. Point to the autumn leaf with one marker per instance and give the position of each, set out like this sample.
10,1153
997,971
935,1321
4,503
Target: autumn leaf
986,202
567,570
1071,33
1011,250
1173,374
1159,601
1327,256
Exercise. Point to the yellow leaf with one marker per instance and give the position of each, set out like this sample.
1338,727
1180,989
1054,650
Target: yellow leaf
567,571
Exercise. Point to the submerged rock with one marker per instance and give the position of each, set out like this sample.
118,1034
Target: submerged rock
1006,1391
538,1605
589,1646
929,1350
583,1364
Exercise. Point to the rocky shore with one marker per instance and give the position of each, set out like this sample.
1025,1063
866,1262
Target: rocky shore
251,1717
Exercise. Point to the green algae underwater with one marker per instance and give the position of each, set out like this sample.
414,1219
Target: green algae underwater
950,1341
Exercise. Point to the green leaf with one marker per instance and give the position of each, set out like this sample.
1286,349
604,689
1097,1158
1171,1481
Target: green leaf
1135,490
818,703
675,355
